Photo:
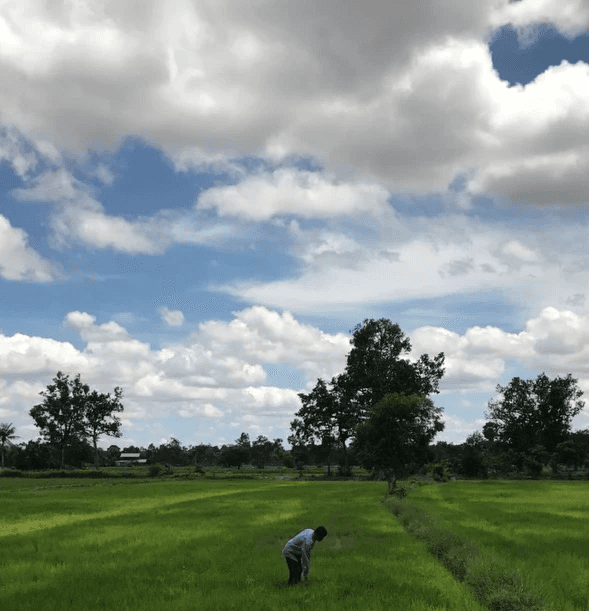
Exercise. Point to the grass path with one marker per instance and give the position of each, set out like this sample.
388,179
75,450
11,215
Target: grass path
211,545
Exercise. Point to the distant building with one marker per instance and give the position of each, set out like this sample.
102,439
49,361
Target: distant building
131,459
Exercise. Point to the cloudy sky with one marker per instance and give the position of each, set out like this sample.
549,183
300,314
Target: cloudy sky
200,199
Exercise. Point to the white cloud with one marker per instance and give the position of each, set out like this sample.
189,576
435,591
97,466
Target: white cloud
218,371
570,18
402,258
12,150
79,218
265,336
172,318
288,191
555,341
215,372
399,93
22,355
18,261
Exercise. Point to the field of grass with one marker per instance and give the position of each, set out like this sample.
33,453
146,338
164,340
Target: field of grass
209,544
537,529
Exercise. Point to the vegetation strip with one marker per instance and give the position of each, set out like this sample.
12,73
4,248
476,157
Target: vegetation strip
494,585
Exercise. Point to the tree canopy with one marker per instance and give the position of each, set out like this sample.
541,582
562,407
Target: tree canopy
374,369
375,366
534,413
70,411
396,436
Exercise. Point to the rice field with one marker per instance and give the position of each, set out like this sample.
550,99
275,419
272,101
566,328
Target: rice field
210,544
537,529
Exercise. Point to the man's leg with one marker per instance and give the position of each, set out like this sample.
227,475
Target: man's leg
295,570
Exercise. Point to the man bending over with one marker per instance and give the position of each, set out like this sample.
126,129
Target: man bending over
297,553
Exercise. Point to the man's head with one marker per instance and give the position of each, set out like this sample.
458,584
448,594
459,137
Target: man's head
319,533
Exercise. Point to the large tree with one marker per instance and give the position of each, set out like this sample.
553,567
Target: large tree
395,439
374,369
6,434
70,411
375,366
533,413
330,414
97,408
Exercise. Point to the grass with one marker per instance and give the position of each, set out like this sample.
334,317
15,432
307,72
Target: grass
520,537
209,544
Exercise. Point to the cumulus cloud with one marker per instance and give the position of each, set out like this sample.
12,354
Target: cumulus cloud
217,371
78,217
288,191
18,261
554,341
172,318
22,355
400,93
266,336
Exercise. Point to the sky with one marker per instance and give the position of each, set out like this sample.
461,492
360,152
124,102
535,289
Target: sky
200,200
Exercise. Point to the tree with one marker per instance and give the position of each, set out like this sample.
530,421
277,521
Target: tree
396,437
244,443
261,451
97,408
327,413
234,456
374,369
70,411
6,434
534,413
473,461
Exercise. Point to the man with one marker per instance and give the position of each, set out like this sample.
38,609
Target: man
297,553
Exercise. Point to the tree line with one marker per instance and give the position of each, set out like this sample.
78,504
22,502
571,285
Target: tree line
378,413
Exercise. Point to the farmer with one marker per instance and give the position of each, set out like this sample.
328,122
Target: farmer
297,553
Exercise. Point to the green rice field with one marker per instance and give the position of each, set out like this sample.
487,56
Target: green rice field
210,544
539,529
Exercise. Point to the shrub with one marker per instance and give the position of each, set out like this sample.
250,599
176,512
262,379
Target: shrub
11,473
154,470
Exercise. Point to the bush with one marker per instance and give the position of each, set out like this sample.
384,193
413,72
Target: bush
154,470
11,473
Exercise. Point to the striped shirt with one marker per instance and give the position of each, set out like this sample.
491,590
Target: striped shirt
300,548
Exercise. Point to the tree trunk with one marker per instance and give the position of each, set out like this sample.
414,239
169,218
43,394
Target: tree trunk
346,466
392,479
95,455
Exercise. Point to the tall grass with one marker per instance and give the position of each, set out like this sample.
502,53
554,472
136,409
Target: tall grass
536,530
204,545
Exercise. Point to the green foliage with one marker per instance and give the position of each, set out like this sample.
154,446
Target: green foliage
397,434
334,412
154,470
439,471
70,413
534,412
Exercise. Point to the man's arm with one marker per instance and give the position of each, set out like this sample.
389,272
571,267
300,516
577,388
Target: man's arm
305,560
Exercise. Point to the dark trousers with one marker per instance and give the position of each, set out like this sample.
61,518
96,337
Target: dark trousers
295,569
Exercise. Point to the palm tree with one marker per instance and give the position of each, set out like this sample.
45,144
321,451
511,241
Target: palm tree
6,433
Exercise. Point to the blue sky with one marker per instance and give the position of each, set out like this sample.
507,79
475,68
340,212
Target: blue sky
198,204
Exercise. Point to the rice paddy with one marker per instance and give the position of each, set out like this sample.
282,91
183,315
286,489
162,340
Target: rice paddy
210,544
538,530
